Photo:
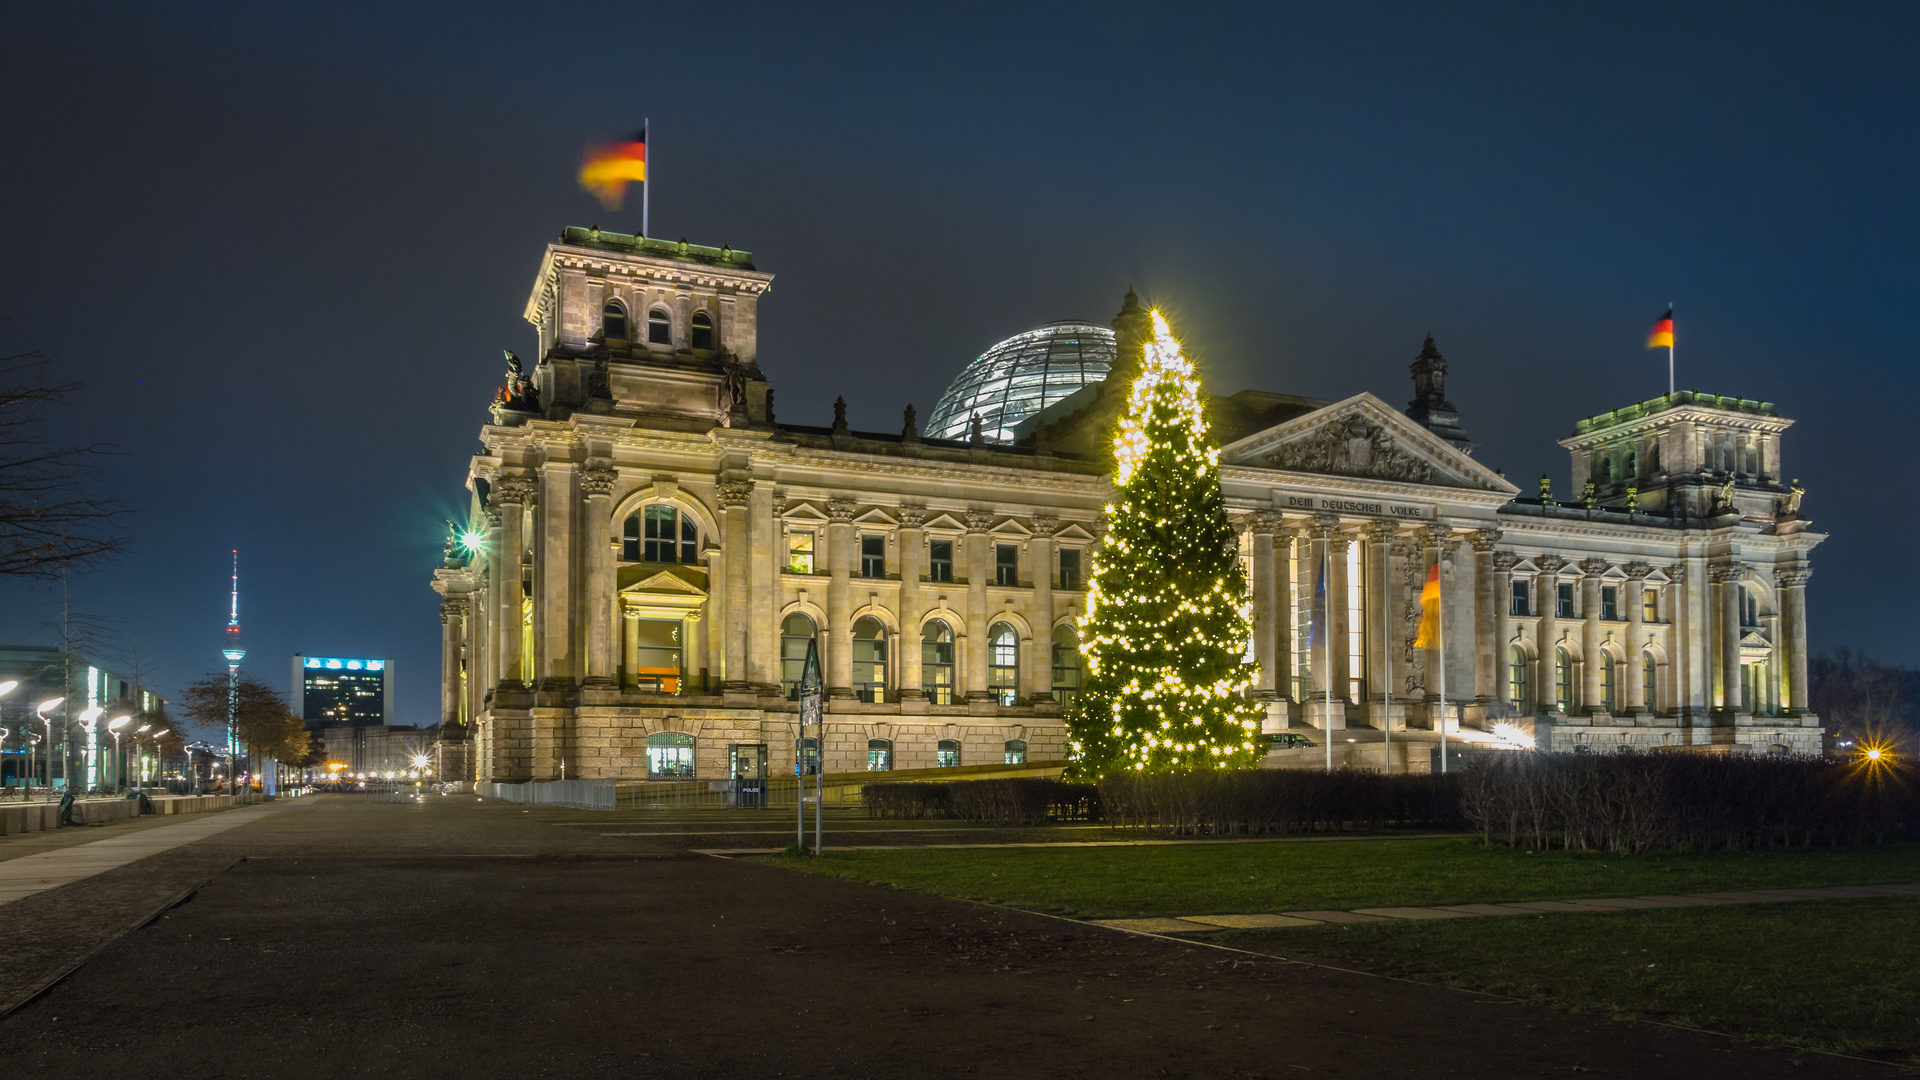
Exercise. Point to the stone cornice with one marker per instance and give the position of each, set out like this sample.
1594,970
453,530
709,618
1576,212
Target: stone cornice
1386,489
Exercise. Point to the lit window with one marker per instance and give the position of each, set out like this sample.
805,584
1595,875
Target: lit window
1650,602
1562,680
800,552
879,755
1003,663
796,633
936,662
669,755
940,560
947,754
613,321
1070,568
1517,678
1066,663
702,330
659,327
873,556
1609,602
870,660
1016,750
1006,564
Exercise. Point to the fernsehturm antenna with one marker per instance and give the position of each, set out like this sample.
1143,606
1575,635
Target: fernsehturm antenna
234,654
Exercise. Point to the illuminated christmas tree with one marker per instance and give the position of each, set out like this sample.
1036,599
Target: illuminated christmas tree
1166,626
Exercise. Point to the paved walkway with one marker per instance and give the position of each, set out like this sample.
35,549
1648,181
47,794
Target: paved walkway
1196,924
30,874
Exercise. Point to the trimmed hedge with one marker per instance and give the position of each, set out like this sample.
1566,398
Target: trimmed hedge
1026,801
1278,801
1643,802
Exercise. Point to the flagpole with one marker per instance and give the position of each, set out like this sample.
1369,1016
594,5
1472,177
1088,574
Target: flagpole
1669,349
1326,645
646,186
1440,629
1386,651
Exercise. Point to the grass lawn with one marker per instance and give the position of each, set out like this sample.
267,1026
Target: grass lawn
1839,975
1212,879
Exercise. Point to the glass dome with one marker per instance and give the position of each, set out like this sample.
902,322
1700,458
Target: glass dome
1019,377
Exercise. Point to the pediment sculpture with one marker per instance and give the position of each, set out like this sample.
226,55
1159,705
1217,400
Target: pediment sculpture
1353,446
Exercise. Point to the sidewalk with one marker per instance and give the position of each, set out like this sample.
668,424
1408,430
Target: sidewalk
38,872
1198,924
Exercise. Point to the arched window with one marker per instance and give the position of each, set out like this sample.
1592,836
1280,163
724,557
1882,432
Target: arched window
1632,471
702,330
669,755
661,533
1003,663
1066,663
1650,682
1606,471
659,327
870,660
796,633
1562,680
879,755
1016,752
936,662
1608,683
1653,458
1517,679
613,321
947,754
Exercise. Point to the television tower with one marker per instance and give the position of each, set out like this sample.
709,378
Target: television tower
234,654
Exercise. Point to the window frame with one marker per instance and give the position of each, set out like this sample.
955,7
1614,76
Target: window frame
1610,603
884,748
1520,602
1078,579
935,564
1649,682
942,749
666,740
1563,600
873,688
939,693
873,564
791,686
700,325
1013,747
614,306
663,325
1609,683
1063,691
1562,679
795,553
1006,565
1517,688
1003,679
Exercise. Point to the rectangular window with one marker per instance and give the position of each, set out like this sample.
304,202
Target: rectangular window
1609,602
689,541
1356,622
940,560
1565,607
1070,568
799,552
1650,603
1006,564
1519,598
873,556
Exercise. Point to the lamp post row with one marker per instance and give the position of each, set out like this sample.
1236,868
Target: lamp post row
89,719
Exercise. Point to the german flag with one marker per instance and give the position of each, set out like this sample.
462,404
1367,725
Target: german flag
1429,611
607,170
1661,336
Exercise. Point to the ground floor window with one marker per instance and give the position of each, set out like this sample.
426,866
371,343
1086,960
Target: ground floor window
1650,682
796,633
1607,683
879,755
1066,664
936,662
870,660
1016,752
1003,663
1562,680
1517,678
947,754
669,755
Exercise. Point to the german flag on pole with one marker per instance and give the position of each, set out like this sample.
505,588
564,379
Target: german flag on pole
1661,336
1429,611
607,170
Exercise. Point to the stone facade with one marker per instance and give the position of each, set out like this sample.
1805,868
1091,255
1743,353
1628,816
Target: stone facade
649,551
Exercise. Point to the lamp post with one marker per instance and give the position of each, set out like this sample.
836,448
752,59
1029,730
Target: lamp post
119,763
90,722
6,688
40,710
138,769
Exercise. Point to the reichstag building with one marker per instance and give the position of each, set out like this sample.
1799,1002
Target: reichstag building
650,552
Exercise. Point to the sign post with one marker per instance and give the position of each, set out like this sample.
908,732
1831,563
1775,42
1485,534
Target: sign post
810,716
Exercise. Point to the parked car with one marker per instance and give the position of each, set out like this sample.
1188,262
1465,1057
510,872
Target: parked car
1287,740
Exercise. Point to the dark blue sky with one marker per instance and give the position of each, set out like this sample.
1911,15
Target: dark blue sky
285,244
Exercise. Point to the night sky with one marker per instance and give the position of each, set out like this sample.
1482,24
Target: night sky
284,245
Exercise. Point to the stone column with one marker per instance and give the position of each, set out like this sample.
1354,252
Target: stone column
478,655
913,554
1341,669
1283,611
629,645
1547,677
487,643
978,544
1326,656
556,629
453,611
1439,536
735,495
511,493
1485,603
839,628
1793,634
1377,599
1728,579
596,483
1591,695
1265,607
1635,691
1040,663
1503,564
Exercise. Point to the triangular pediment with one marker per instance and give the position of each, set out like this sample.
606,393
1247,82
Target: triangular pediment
656,580
1072,531
803,511
944,522
875,517
1364,438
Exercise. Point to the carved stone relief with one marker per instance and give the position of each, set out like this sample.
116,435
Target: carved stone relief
1353,446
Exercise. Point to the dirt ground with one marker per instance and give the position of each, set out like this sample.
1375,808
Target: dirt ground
358,938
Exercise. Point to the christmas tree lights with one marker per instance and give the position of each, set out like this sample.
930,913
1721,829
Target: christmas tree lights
1167,620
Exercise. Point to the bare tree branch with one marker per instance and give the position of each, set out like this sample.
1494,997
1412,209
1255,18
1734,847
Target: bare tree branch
50,521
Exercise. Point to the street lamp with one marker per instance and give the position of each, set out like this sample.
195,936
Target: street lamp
119,765
138,769
40,710
90,720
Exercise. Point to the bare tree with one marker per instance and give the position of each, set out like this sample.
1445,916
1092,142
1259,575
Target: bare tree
1862,700
50,522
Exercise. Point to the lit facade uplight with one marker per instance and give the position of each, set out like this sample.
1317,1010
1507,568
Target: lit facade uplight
472,540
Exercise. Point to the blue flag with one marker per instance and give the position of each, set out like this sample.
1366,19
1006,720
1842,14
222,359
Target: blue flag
1317,624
